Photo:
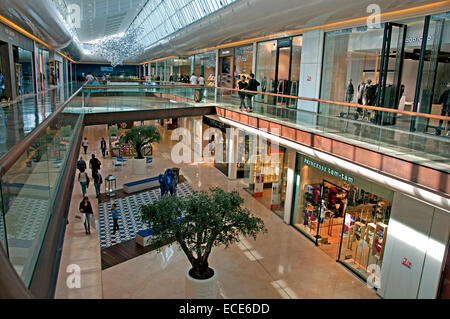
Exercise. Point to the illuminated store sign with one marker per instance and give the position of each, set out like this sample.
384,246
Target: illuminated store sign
328,170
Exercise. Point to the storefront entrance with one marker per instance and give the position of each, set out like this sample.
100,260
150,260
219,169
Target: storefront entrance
346,216
278,69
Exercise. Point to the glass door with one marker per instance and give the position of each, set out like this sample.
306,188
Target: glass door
391,67
283,74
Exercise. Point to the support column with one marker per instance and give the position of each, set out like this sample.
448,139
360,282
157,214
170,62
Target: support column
291,154
232,152
255,48
12,72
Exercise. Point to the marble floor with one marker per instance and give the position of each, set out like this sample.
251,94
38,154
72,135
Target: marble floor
282,263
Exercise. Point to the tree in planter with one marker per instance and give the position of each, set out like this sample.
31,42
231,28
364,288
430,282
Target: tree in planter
139,136
200,222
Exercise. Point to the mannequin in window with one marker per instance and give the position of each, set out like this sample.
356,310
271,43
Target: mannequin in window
359,96
445,101
349,91
263,84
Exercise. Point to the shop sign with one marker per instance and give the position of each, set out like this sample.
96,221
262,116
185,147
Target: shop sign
226,52
285,42
406,263
328,170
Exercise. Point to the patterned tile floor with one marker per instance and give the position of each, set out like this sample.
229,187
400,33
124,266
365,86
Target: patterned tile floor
129,220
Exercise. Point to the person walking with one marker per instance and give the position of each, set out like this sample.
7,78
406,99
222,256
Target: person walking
201,82
115,215
86,209
94,165
194,81
241,85
103,147
81,164
251,86
98,180
84,143
83,178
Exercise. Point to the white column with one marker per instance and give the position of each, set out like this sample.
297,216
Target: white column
232,150
255,48
291,154
310,70
36,68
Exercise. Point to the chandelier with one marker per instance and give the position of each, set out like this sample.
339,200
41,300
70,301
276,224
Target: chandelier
115,49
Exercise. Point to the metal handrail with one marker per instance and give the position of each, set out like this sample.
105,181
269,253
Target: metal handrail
10,158
191,86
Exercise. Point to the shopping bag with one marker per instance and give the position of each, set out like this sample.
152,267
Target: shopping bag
94,223
83,219
78,215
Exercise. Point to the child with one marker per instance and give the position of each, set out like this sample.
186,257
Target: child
115,215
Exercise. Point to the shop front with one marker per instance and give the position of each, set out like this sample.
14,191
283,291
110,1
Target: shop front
278,69
205,65
345,215
233,64
265,168
400,65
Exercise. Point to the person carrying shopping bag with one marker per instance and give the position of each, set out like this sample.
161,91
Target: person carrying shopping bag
86,210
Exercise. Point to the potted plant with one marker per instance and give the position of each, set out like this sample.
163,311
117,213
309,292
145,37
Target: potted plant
198,223
138,137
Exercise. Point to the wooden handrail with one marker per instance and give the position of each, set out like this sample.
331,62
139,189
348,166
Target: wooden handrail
11,157
191,86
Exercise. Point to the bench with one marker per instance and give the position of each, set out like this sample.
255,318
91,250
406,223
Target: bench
137,186
143,236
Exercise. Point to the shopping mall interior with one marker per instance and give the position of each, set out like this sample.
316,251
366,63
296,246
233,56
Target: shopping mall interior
224,149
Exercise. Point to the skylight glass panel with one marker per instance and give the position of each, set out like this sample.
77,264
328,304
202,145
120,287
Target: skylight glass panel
161,18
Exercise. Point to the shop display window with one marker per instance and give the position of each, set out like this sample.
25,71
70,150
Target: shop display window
266,164
346,216
243,59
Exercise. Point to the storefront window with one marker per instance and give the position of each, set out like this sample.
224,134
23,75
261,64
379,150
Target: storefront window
23,67
43,68
243,59
265,67
345,215
266,164
353,71
205,65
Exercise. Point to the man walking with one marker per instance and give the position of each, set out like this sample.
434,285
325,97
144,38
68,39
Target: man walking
98,180
81,165
251,86
241,85
94,165
103,147
115,215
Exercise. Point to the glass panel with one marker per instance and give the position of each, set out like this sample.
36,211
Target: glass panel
265,68
243,59
297,43
434,95
23,64
28,190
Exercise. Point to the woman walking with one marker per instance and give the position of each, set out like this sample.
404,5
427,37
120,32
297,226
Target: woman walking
86,209
83,178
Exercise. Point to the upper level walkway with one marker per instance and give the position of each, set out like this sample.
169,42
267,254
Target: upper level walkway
334,119
19,118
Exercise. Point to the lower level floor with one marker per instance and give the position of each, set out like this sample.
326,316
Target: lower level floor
331,234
